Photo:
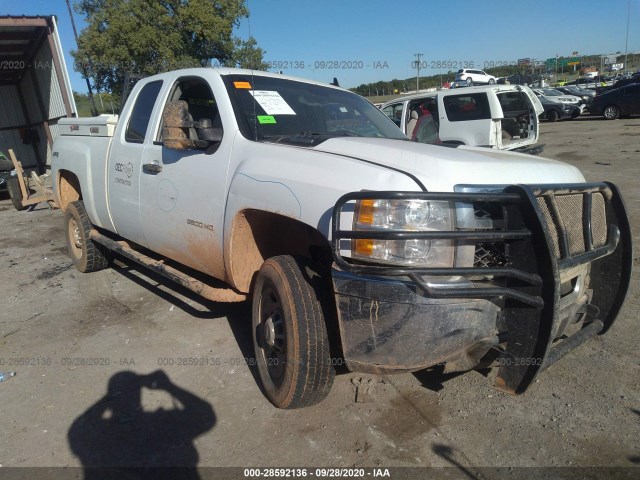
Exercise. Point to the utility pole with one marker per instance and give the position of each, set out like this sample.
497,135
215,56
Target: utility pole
94,109
626,41
418,55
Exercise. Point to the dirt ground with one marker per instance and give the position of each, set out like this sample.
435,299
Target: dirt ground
85,348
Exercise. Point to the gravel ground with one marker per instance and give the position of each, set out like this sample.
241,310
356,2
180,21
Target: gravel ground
85,348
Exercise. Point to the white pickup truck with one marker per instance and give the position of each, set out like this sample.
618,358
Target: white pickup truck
353,243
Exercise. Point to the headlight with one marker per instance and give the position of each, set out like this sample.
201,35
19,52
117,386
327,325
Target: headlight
408,215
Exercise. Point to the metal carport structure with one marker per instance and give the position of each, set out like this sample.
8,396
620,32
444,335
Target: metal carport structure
35,90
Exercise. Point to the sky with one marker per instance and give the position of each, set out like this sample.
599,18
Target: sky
371,40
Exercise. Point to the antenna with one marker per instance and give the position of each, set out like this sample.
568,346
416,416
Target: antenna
255,117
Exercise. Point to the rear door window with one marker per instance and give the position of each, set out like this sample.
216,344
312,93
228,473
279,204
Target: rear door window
513,103
473,106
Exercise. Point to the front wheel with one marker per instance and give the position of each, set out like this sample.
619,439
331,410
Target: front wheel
469,82
552,116
289,333
492,81
87,255
611,112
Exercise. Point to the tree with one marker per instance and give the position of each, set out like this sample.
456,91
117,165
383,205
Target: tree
148,37
247,54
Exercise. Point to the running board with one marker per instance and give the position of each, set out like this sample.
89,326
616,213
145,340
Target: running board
215,294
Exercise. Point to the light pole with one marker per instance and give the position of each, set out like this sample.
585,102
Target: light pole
626,40
418,55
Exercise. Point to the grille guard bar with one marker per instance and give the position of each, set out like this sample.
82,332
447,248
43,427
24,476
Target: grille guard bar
532,292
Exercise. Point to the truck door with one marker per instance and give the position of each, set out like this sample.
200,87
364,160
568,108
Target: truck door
182,192
124,166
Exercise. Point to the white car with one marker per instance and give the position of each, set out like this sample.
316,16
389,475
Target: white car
474,77
557,96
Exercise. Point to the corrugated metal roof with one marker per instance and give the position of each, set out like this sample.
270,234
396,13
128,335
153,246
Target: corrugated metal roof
20,40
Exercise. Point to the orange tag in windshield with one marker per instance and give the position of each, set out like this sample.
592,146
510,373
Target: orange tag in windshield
242,84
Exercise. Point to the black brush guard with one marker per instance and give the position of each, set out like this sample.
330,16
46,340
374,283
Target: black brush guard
530,286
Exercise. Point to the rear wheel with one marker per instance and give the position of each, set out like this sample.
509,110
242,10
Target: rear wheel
492,81
87,255
289,333
13,185
611,112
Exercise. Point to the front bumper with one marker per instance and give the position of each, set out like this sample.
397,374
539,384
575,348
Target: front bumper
564,270
570,111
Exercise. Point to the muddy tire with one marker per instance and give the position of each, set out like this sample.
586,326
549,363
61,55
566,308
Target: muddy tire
289,333
87,255
13,186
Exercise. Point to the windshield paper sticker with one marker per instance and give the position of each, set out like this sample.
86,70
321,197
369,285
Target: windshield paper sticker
266,119
272,102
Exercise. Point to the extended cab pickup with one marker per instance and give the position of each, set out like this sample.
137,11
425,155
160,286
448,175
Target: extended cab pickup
353,243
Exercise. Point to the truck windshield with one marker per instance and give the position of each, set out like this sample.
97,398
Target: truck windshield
270,109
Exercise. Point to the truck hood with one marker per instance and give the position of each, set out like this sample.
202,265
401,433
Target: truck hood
441,168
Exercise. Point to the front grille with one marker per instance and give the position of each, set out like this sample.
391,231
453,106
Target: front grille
570,209
489,255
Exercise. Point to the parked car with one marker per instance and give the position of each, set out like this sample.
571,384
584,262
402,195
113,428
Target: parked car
583,83
497,116
6,168
474,77
620,83
536,80
554,111
554,95
584,93
617,102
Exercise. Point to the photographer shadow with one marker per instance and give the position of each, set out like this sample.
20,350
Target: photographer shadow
116,438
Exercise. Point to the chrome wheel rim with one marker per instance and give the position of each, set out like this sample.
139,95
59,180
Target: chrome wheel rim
75,239
270,333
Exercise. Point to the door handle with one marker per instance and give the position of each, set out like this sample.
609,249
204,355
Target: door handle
151,168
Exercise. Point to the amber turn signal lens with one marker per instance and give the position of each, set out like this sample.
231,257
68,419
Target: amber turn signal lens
365,212
364,247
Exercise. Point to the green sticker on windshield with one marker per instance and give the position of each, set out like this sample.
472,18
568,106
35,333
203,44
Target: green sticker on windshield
266,119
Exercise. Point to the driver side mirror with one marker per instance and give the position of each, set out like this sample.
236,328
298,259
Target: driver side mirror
180,131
